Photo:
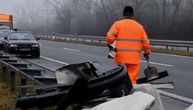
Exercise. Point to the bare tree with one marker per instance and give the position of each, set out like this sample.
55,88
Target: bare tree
165,19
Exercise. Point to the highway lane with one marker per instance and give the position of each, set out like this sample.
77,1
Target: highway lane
69,53
179,68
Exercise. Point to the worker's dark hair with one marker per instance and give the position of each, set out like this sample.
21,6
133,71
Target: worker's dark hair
128,11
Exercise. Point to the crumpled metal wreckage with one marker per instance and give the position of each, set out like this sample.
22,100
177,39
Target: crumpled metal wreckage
86,87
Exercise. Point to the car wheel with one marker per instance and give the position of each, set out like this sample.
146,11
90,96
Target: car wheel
7,50
36,54
1,47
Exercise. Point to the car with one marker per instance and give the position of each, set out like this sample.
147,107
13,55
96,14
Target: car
23,43
3,33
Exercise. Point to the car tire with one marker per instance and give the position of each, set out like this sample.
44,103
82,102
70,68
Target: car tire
7,50
36,54
2,47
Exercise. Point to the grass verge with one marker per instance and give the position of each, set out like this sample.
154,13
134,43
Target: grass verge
7,100
174,52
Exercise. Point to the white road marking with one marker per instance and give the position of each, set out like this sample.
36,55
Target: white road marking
71,49
173,55
161,64
175,96
53,60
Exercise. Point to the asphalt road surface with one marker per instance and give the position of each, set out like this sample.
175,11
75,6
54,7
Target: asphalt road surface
179,68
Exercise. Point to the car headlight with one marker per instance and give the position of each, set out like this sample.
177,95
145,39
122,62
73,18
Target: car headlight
35,45
13,45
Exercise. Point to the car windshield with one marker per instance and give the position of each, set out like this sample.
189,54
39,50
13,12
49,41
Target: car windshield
21,36
3,34
5,27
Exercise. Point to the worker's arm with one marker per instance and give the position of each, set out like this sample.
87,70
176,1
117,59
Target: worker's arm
112,34
145,43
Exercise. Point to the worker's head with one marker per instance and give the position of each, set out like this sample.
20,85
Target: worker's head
128,11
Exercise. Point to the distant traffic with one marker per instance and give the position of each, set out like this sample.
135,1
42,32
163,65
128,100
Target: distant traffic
17,42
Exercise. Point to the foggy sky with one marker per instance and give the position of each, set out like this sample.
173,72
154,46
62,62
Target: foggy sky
23,10
173,19
10,6
7,6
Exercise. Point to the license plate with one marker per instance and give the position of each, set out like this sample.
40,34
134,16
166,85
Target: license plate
24,49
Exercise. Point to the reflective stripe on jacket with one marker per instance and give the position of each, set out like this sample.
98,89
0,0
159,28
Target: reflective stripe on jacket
130,38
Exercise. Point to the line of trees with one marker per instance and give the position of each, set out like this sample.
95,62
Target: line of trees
163,19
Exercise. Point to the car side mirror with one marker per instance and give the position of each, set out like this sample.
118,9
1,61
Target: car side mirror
5,38
38,38
15,29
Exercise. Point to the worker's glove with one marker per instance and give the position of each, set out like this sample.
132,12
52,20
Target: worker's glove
146,56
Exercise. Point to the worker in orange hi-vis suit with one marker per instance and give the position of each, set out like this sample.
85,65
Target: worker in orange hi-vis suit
131,39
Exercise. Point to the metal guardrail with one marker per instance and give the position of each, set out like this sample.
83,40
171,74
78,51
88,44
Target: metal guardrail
17,73
172,43
102,40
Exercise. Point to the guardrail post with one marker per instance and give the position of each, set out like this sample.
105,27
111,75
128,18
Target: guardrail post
100,41
23,82
1,73
188,49
53,37
4,73
12,80
167,47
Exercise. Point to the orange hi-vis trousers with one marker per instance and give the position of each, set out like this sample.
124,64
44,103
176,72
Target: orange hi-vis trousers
133,72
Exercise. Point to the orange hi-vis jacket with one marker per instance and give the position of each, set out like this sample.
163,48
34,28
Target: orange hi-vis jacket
130,38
